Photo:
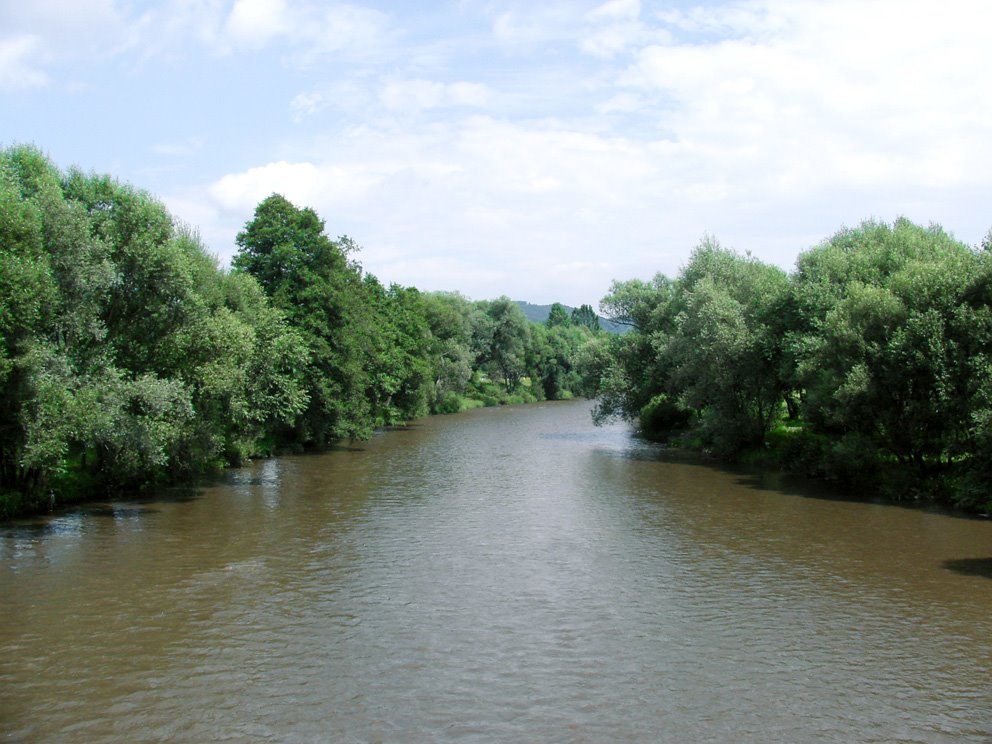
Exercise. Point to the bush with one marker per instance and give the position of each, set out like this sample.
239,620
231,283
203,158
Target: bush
971,491
848,460
661,417
455,403
451,403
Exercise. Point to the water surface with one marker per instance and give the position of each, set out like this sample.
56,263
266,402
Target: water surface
508,574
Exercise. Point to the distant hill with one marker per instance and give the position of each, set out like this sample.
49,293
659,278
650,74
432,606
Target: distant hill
540,313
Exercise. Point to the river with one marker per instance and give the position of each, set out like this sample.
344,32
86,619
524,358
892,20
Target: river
504,575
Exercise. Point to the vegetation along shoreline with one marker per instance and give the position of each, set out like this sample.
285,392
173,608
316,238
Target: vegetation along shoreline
129,358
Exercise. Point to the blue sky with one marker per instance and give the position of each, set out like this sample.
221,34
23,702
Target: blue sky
538,150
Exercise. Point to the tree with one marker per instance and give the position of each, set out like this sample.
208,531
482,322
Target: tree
895,341
552,359
449,320
558,316
584,315
503,340
725,352
637,373
633,302
308,276
399,346
126,356
285,248
704,344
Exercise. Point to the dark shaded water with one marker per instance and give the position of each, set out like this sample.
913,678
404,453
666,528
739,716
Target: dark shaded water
505,575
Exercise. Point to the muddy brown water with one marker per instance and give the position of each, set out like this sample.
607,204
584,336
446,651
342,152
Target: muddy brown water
505,575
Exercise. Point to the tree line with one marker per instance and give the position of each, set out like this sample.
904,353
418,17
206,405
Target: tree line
129,357
870,364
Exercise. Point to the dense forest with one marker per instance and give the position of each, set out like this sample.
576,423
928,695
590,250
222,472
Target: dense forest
129,357
869,365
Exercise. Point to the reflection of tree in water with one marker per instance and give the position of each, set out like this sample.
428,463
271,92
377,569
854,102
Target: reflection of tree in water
971,566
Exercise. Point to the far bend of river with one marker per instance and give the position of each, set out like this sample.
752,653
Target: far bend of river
506,575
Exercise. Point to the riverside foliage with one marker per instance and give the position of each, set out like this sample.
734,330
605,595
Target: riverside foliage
870,364
128,357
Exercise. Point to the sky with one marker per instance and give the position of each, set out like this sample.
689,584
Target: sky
538,150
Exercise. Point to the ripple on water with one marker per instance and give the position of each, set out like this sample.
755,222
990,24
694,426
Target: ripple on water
506,575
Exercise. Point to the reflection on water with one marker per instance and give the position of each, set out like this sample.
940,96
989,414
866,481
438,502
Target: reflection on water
971,566
505,575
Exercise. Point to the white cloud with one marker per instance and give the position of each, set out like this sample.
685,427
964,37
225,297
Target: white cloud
298,182
352,28
621,102
409,95
38,35
412,94
529,159
804,95
350,98
476,279
169,29
306,104
303,183
617,10
307,31
613,134
469,94
480,205
19,63
613,27
91,31
535,24
255,22
304,31
81,23
608,41
604,31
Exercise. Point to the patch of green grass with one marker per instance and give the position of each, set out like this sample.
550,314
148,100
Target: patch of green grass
455,403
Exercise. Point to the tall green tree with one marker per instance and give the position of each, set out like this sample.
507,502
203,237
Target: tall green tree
895,344
705,348
309,277
558,316
636,380
398,353
725,350
552,359
449,318
126,355
584,315
502,339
